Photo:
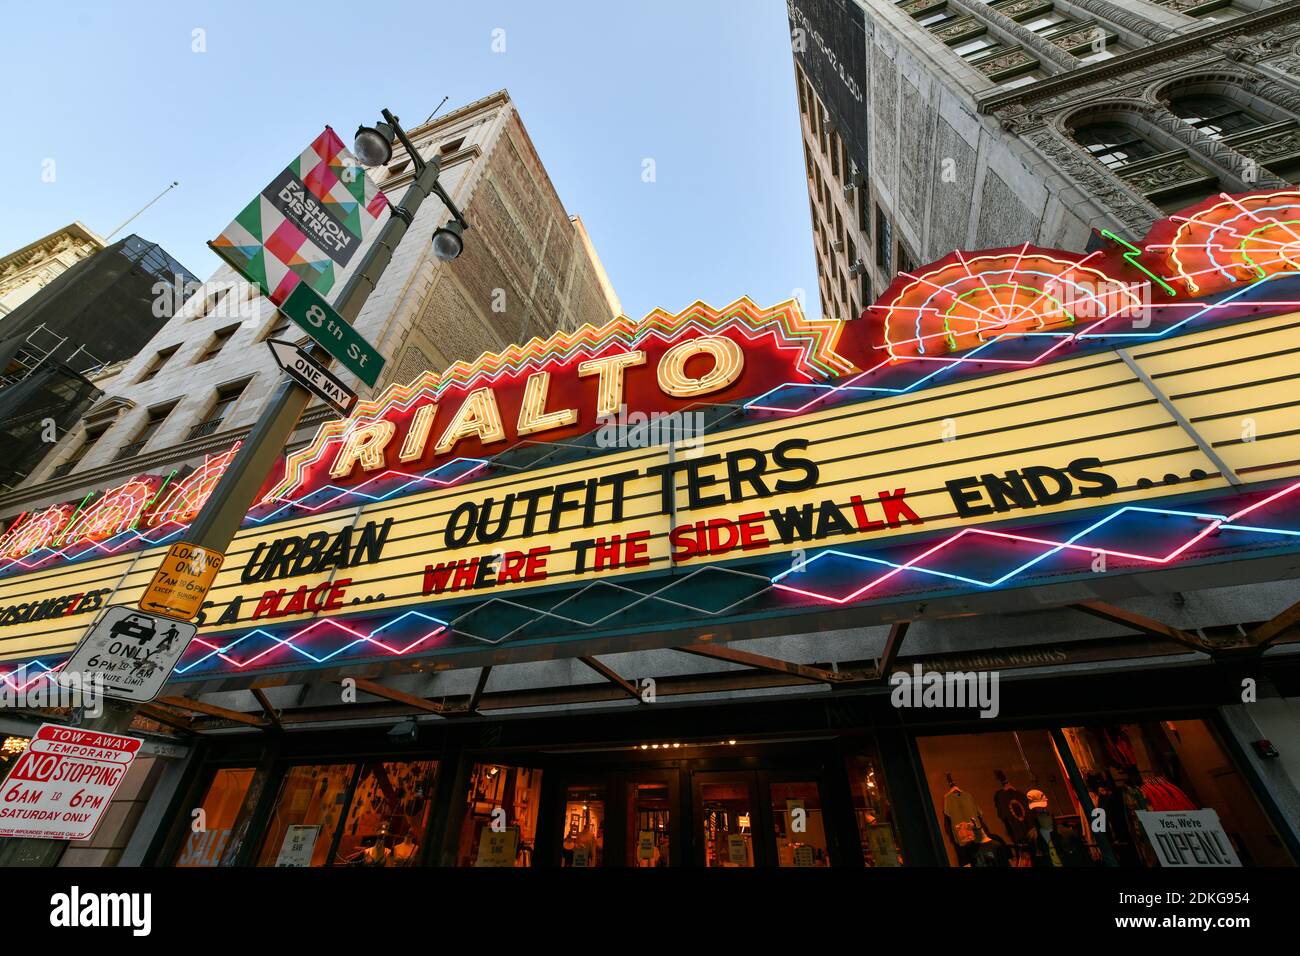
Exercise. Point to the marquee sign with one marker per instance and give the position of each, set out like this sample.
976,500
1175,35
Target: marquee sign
975,432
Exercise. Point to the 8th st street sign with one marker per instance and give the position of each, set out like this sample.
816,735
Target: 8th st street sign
317,318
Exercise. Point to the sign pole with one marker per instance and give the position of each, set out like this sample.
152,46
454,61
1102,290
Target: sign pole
222,514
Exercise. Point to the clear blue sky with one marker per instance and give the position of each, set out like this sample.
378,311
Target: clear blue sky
113,93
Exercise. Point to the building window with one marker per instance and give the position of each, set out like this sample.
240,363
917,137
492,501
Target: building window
218,342
884,243
972,49
158,362
447,148
1207,10
936,18
905,263
1170,179
157,415
93,434
227,396
281,327
1114,145
1216,116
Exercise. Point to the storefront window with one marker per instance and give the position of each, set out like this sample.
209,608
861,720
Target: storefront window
306,816
500,826
1006,798
873,813
11,748
388,815
1165,768
998,796
584,830
798,825
221,804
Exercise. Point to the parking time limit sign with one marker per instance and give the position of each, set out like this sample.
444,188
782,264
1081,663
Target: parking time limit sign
133,652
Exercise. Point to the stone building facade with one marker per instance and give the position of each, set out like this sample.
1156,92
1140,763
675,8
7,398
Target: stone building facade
197,387
993,124
26,271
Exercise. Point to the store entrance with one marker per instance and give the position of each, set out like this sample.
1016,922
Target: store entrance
625,818
758,818
694,814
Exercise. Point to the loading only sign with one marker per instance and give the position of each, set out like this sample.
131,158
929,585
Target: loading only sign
133,652
182,581
62,784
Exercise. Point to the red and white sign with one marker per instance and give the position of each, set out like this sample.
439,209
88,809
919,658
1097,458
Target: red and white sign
62,784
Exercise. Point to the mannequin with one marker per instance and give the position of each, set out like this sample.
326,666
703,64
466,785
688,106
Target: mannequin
963,822
1013,810
404,852
377,854
1050,847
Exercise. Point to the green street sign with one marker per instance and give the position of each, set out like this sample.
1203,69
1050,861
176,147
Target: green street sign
317,318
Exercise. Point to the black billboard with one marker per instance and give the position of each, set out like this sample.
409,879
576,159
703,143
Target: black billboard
829,38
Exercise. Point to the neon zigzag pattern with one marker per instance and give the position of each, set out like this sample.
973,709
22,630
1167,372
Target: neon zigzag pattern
785,322
1214,523
373,640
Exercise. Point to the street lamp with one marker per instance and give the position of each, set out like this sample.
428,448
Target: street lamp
448,241
373,145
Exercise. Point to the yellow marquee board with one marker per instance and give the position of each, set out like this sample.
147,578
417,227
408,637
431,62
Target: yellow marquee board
881,464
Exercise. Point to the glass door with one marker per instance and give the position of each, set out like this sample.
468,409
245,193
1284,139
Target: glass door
651,838
584,821
726,808
798,825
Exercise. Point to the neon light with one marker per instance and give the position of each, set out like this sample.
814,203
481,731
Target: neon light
962,300
1215,523
190,494
1132,256
169,529
1265,245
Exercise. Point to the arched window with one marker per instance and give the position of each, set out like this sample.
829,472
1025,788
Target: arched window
1114,145
1169,178
1213,115
1268,138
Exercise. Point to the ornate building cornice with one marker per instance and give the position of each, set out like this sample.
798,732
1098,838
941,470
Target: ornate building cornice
1245,39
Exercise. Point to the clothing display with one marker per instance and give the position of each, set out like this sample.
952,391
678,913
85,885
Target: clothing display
1013,810
963,822
1052,848
1163,795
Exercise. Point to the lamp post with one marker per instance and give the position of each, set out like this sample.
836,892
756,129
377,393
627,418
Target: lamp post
218,521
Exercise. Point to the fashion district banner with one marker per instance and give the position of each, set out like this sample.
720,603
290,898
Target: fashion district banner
307,224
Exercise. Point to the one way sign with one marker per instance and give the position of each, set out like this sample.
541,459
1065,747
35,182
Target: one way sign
312,375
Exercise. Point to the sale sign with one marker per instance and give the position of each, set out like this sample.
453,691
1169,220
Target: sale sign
62,784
